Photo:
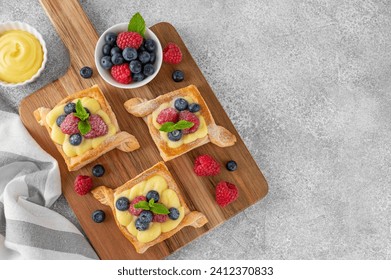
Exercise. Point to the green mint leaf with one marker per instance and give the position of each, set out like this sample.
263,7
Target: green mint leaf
182,124
170,126
167,127
142,205
81,112
84,127
151,202
137,24
159,209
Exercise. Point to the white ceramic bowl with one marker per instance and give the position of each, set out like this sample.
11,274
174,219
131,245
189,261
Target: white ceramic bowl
105,74
17,25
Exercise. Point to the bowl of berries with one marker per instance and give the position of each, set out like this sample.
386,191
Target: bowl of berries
128,55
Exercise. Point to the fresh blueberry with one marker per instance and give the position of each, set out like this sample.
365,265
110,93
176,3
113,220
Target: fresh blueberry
110,38
60,119
135,66
75,139
138,77
152,58
174,213
122,203
146,216
98,170
70,108
142,48
141,226
231,165
194,107
105,62
148,70
98,216
86,72
115,50
117,59
129,54
175,135
154,195
178,76
106,49
181,104
150,45
144,57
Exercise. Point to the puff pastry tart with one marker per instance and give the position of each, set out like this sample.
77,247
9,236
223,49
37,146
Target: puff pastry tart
179,121
155,190
83,127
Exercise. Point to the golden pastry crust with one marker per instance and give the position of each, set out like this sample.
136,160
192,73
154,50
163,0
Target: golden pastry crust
121,140
192,218
218,135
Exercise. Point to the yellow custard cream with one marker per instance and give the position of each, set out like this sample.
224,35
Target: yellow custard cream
201,132
87,144
168,198
21,56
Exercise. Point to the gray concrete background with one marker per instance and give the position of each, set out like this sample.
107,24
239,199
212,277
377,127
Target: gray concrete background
307,85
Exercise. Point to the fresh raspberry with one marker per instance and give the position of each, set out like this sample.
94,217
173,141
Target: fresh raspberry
205,165
121,73
226,193
129,40
159,218
172,54
167,115
190,117
82,184
69,125
136,211
98,127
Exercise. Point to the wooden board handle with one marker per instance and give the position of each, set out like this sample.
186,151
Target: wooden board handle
74,28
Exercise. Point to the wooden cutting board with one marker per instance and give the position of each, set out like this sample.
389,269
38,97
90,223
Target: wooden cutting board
80,38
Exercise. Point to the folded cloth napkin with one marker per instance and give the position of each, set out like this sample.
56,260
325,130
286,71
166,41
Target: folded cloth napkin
29,184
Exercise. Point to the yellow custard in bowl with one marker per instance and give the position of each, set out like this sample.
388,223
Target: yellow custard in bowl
23,54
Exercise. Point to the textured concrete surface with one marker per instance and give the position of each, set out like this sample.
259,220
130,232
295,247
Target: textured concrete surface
307,84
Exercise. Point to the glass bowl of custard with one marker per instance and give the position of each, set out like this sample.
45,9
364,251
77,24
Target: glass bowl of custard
23,54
